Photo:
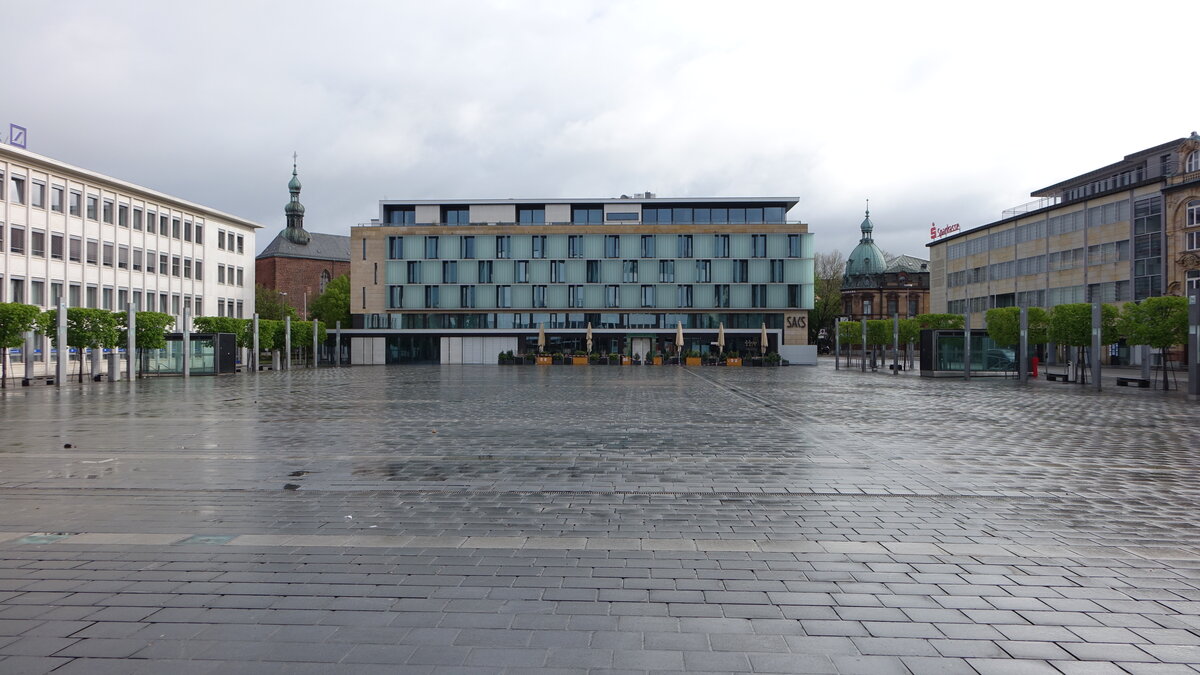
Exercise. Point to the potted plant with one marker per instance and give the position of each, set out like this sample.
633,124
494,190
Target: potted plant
543,359
593,359
637,359
691,357
733,359
579,358
505,358
772,359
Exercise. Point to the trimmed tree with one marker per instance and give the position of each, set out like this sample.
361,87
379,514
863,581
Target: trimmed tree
334,304
87,328
1004,325
1071,325
1160,322
302,334
940,321
16,319
270,304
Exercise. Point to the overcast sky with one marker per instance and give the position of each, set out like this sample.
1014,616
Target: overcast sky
938,112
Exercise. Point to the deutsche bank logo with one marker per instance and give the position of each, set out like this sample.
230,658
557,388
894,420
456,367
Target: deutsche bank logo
16,135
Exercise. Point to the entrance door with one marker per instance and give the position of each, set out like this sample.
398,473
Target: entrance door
641,345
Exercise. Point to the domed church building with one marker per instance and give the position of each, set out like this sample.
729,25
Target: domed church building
875,286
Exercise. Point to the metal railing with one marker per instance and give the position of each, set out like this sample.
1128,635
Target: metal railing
1031,206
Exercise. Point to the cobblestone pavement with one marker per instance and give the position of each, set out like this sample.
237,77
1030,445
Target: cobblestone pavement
601,519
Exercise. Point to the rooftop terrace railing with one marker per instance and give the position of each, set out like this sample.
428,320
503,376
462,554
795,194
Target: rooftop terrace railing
1029,207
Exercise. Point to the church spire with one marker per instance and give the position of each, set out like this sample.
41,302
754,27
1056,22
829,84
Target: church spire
867,226
294,211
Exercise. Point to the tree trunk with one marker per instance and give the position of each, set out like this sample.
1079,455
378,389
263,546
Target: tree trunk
1162,359
4,369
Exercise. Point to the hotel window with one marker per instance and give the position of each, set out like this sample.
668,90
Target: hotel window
612,246
107,260
777,271
666,271
1193,213
720,295
16,239
123,257
485,271
466,247
450,272
793,295
558,271
92,203
137,260
721,245
75,249
593,271
758,244
395,297
1193,162
76,201
575,246
56,246
503,246
539,296
431,247
758,295
431,297
395,246
647,246
648,296
164,265
521,271
575,296
683,246
539,245
531,215
741,271
586,215
414,272
466,297
17,194
456,215
684,296
37,195
793,246
703,271
56,198
612,296
504,296
629,271
93,252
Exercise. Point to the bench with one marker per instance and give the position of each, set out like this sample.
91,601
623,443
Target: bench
1051,377
896,366
1135,381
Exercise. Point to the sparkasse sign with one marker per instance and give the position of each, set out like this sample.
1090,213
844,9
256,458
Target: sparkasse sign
935,231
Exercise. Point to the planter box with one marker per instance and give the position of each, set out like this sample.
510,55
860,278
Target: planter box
658,361
579,360
733,363
627,360
691,360
545,360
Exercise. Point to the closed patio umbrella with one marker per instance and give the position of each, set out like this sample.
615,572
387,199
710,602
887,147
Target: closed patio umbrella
679,337
721,337
762,341
589,337
541,337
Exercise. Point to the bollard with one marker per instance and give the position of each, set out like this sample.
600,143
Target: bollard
130,341
64,352
187,343
1095,355
1023,347
966,346
287,342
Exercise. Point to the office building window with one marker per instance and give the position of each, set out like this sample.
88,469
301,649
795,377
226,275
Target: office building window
241,244
485,271
466,297
629,271
758,295
16,290
16,240
450,272
107,260
612,246
56,246
466,247
163,225
187,268
220,234
414,272
539,245
431,247
137,218
721,245
137,260
75,250
175,266
558,271
123,257
647,246
92,296
575,246
76,202
220,273
187,230
666,271
593,271
531,215
793,295
93,252
164,265
575,296
199,233
175,230
503,246
683,246
776,271
17,194
456,215
92,204
612,296
504,296
684,295
586,215
741,271
37,196
521,271
395,246
703,271
395,297
431,297
758,245
720,295
648,296
539,296
56,198
401,215
122,215
107,211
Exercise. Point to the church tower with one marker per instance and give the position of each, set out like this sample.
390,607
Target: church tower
294,232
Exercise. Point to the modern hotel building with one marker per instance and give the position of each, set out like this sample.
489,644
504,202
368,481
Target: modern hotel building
459,281
97,241
1126,231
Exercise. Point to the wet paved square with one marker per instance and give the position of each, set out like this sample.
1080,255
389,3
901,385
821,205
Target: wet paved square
599,519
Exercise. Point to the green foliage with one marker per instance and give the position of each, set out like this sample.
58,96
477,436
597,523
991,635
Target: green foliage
86,327
940,321
1159,322
879,332
271,304
224,324
150,329
302,333
910,331
850,332
1071,324
1004,325
15,320
334,304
